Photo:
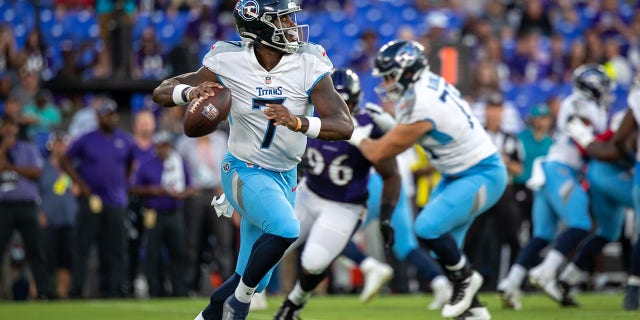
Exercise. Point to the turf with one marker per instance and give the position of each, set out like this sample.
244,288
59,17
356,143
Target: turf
396,307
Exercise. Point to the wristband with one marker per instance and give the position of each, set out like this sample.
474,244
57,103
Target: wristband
179,96
314,127
298,124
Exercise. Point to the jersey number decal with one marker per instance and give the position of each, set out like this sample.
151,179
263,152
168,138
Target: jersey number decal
258,104
452,92
339,174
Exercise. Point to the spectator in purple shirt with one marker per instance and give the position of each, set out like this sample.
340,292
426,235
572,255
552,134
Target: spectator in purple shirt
104,158
20,169
163,182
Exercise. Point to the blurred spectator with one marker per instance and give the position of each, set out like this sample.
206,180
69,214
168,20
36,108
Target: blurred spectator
104,158
535,19
496,16
612,18
149,62
594,50
36,57
84,119
59,209
529,64
576,57
557,61
171,120
20,169
8,58
534,142
203,157
42,115
492,53
618,67
511,122
13,110
567,21
27,88
163,182
485,79
364,51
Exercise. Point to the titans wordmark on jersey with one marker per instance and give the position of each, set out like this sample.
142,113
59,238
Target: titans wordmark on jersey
252,137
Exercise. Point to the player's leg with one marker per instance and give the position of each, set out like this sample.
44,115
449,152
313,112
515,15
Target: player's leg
545,224
453,206
327,239
569,200
632,292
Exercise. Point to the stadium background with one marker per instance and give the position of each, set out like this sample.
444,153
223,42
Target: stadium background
524,49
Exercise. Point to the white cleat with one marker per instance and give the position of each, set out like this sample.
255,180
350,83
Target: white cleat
441,293
547,283
509,295
462,297
475,313
376,275
259,301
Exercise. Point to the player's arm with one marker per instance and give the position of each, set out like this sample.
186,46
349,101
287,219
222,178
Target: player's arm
335,120
398,139
183,88
391,184
611,150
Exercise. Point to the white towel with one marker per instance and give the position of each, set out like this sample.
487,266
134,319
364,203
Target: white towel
538,178
173,178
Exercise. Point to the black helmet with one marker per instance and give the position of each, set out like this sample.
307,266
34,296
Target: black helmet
256,20
592,81
347,84
403,61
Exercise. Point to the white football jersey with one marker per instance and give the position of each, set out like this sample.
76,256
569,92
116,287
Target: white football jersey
252,137
633,101
563,149
458,141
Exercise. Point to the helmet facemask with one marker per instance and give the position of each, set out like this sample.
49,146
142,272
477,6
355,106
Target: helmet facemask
400,64
286,39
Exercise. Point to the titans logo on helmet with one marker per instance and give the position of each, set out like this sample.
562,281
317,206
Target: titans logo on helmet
406,55
247,9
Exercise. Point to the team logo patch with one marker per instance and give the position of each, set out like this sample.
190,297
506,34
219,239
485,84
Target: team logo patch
210,112
267,80
406,56
248,9
226,167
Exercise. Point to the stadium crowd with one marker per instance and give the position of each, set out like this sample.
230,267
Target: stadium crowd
522,56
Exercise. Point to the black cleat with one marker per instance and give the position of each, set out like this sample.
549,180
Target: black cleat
288,311
567,300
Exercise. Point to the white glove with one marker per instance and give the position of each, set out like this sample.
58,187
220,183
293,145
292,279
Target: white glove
383,119
580,132
222,206
359,133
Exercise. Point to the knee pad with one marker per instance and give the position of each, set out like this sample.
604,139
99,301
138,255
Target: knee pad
315,259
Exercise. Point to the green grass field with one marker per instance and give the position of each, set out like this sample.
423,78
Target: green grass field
396,307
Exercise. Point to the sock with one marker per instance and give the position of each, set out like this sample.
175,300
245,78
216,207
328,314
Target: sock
308,282
425,265
569,240
635,260
244,293
571,274
528,256
446,248
634,281
458,271
266,252
353,252
516,275
552,262
298,295
213,311
591,248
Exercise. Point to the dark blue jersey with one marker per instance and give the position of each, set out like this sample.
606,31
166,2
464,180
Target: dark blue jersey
338,171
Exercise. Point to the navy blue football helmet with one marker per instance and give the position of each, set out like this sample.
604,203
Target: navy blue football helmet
403,62
592,81
259,20
347,84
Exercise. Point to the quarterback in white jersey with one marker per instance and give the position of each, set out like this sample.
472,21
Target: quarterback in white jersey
617,147
431,113
276,80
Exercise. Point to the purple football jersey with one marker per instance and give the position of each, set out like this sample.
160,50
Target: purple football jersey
338,171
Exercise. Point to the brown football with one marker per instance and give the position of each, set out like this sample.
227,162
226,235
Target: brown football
204,114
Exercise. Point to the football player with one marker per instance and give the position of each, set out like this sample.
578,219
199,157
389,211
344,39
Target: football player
560,195
615,149
276,80
330,201
431,112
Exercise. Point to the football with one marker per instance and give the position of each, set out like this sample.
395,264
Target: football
203,115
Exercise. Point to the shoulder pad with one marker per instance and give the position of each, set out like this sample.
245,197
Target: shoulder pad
225,46
313,49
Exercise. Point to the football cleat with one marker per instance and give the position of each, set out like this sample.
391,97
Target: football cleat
288,311
464,289
548,284
234,309
477,311
567,296
376,275
631,298
259,301
441,293
509,295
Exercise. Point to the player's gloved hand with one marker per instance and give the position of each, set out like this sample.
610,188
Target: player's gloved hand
388,234
581,133
383,119
222,206
359,133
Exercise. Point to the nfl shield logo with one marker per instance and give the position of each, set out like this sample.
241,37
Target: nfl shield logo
267,80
